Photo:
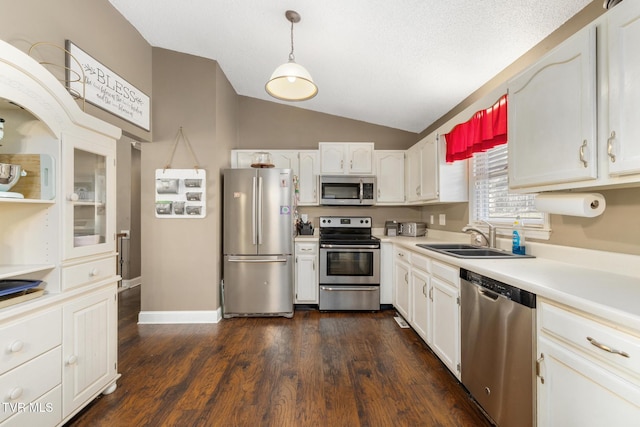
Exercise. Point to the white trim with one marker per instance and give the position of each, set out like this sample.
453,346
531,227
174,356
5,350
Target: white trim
130,283
184,316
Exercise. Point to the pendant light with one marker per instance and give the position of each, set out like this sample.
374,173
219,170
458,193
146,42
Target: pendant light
291,81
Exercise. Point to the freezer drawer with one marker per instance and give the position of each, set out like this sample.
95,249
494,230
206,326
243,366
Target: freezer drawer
258,286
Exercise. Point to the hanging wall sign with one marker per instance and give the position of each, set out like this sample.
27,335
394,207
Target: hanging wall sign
105,89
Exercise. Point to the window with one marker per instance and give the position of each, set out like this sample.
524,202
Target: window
491,201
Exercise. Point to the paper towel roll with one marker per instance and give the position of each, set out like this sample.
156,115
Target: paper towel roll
575,204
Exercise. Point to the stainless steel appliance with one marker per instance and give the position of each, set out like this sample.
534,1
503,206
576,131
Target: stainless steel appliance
349,264
257,243
347,190
498,339
412,229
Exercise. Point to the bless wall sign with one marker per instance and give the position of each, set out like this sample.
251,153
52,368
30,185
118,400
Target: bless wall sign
105,89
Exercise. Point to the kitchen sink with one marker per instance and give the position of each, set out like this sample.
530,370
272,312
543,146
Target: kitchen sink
459,250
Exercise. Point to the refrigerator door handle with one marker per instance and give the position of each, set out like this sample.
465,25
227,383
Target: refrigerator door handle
253,212
257,260
259,210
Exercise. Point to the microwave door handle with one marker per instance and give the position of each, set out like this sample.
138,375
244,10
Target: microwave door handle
260,210
361,190
253,211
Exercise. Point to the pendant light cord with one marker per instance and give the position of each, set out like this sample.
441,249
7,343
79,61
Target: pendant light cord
291,57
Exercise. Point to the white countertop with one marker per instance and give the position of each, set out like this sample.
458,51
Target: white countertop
593,287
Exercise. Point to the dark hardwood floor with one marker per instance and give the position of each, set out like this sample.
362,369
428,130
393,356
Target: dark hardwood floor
317,369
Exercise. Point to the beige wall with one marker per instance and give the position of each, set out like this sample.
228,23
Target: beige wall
93,25
181,257
266,124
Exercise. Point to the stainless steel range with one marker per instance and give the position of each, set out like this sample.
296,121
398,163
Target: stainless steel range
349,264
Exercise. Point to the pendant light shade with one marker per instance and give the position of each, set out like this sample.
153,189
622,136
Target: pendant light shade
291,81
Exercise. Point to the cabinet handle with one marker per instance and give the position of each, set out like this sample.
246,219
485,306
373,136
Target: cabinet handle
610,146
378,192
405,277
314,265
418,190
424,291
351,164
607,348
400,254
431,293
94,272
15,347
73,197
306,249
539,368
72,360
15,393
341,164
582,158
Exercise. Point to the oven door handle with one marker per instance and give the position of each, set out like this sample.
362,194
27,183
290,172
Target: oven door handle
328,246
349,288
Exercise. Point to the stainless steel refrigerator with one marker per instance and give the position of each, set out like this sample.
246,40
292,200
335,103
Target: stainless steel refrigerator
257,243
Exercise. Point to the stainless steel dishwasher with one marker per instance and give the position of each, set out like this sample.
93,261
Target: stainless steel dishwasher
498,340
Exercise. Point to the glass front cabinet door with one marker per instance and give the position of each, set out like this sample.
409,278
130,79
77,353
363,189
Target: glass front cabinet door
89,172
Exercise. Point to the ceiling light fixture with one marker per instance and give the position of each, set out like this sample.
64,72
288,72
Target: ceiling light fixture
291,81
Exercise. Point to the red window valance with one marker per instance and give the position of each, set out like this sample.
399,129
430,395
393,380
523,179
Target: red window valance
486,129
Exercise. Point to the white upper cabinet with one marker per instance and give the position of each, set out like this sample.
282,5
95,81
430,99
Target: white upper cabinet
623,136
308,178
338,158
390,176
556,139
429,178
552,116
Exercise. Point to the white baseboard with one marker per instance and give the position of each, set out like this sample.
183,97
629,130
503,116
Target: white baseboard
130,283
185,316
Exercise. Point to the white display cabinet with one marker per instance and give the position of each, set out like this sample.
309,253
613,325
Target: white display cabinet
68,193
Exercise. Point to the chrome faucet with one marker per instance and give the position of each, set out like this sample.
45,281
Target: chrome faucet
490,240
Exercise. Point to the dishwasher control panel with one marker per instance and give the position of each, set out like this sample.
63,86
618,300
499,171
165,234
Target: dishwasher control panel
508,291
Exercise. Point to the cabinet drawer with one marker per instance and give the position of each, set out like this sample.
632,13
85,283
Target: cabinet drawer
306,248
400,254
92,271
594,338
28,382
421,262
46,411
446,272
29,337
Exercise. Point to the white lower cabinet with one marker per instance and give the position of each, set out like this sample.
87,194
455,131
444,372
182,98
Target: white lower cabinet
89,347
402,292
306,273
427,295
588,372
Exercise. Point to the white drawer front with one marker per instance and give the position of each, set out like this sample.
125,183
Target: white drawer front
82,274
421,262
46,411
400,254
446,272
29,337
28,382
594,338
306,248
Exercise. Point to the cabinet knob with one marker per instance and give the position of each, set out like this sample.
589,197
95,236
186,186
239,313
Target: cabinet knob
15,393
72,360
15,347
73,197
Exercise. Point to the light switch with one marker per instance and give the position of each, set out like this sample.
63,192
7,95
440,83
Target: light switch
442,219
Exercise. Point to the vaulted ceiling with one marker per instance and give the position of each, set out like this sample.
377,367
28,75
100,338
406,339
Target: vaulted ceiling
397,63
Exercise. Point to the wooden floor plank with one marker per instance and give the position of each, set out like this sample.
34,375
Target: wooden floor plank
329,369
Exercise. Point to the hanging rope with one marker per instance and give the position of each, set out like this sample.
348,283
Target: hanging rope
180,135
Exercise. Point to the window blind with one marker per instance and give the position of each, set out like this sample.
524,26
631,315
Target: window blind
491,198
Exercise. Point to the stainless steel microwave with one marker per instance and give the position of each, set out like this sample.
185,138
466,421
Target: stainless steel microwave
347,190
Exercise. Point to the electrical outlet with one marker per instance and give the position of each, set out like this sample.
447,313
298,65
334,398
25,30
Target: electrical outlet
442,219
126,233
431,220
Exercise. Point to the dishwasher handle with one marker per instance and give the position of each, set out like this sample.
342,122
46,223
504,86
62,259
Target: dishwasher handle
487,293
